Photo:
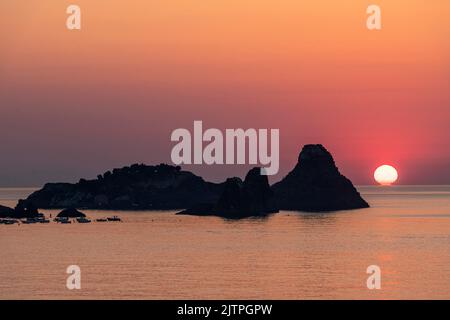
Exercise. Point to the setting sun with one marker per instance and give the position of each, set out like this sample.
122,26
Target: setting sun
385,175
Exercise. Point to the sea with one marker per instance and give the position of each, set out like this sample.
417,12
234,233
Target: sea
405,235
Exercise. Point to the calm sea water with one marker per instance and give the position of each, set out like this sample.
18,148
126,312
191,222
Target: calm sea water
291,255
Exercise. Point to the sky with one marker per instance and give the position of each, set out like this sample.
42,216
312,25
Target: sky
77,103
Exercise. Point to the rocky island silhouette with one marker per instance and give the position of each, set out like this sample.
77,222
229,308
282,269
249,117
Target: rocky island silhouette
315,185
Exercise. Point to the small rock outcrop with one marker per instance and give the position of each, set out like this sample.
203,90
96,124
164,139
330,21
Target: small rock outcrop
71,213
250,198
6,212
23,209
315,185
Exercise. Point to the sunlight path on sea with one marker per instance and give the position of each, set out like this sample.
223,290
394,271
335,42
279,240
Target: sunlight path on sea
290,255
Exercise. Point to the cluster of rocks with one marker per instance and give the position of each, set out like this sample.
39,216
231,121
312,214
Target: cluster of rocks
25,209
315,184
240,199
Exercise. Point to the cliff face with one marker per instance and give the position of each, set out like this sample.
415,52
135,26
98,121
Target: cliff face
315,184
138,187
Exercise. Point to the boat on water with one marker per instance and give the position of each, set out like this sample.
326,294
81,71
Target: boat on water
30,221
83,220
62,220
114,218
8,221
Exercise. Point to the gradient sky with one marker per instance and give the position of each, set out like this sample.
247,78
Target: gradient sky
77,103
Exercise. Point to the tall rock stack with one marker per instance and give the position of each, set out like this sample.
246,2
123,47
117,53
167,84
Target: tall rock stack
315,184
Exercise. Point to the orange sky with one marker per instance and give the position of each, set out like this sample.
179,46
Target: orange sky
76,103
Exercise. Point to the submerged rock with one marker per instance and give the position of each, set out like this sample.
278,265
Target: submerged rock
250,198
315,184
